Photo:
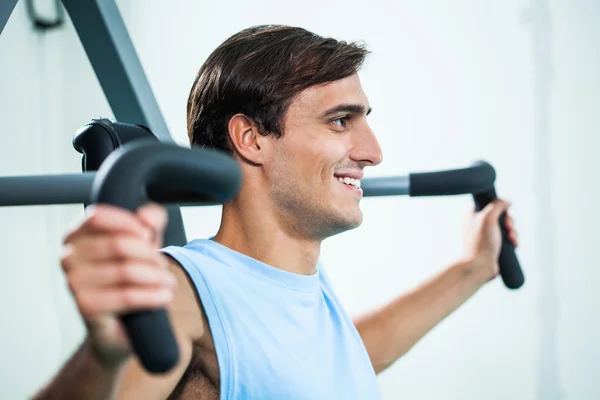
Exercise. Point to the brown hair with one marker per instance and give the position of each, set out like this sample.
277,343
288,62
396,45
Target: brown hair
257,72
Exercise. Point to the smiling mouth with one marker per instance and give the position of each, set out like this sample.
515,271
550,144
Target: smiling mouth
349,181
351,184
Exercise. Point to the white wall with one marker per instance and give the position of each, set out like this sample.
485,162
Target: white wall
450,82
47,91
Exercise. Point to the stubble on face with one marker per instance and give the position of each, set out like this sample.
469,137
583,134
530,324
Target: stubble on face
304,192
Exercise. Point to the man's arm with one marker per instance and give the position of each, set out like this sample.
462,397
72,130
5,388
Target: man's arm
113,266
87,376
391,331
187,320
84,376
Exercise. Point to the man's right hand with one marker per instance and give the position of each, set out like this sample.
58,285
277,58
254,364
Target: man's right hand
113,266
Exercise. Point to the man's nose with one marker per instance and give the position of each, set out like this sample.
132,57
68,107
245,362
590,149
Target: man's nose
366,149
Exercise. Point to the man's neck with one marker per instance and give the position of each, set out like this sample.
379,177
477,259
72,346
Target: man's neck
265,239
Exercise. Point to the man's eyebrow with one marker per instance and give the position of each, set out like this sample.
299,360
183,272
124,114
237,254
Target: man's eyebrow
346,108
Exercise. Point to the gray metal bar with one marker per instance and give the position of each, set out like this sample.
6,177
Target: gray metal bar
110,50
386,186
45,189
61,189
76,189
6,9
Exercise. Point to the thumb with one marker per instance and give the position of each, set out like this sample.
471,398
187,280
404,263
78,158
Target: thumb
495,209
155,217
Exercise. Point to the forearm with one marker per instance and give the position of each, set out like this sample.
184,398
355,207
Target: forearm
82,377
391,331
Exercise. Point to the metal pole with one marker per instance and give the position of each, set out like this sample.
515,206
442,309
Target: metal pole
387,186
6,9
45,189
110,50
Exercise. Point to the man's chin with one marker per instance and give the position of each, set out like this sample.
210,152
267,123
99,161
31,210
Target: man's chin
347,223
355,220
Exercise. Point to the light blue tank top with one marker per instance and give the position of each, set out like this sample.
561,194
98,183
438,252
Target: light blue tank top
277,335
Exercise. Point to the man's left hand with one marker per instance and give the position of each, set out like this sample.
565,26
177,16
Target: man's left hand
483,238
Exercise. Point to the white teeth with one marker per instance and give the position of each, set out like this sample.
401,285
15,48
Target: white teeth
349,181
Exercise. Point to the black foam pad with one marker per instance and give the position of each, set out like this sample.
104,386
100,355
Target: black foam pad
97,139
100,137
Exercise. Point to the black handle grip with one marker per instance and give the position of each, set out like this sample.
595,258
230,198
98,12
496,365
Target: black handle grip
478,179
474,179
147,170
510,268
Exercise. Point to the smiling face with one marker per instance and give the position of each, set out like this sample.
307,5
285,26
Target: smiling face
314,169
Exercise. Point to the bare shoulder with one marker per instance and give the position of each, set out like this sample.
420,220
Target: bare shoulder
185,306
190,328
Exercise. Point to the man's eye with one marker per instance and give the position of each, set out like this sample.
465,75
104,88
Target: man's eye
340,121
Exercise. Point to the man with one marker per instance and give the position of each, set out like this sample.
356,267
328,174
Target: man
252,308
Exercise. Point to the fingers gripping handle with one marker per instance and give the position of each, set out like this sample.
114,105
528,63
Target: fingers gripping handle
510,268
142,171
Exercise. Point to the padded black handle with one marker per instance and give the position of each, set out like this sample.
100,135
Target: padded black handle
478,179
474,179
510,268
148,170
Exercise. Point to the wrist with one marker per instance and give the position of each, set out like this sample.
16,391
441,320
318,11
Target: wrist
477,270
105,361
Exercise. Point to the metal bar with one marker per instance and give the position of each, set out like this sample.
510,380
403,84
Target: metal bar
76,188
110,50
6,9
386,186
64,189
46,189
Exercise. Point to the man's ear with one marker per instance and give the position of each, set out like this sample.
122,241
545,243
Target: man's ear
246,139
